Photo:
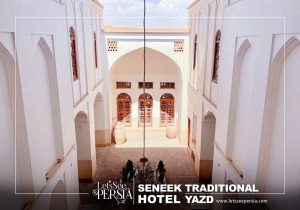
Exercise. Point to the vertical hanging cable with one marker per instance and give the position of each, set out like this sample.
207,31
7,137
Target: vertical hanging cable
144,82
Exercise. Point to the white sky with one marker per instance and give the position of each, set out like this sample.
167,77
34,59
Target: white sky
133,10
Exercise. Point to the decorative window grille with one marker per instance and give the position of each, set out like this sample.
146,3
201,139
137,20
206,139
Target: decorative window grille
178,46
166,109
124,109
167,85
145,102
148,85
123,85
112,46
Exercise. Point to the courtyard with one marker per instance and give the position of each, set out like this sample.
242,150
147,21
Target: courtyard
110,160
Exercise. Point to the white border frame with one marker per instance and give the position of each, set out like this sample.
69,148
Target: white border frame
65,17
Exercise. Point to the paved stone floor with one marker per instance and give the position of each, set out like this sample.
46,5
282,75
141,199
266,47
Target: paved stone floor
177,160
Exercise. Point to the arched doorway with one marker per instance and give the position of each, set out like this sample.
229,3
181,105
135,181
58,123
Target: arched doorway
207,148
58,199
166,109
124,109
82,127
99,121
148,100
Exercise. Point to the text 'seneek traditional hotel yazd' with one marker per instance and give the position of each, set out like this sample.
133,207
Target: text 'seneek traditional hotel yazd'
229,82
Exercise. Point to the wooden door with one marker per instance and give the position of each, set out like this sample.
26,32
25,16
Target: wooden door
166,109
148,110
124,109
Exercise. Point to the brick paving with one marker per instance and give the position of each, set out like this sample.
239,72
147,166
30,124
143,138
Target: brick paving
177,160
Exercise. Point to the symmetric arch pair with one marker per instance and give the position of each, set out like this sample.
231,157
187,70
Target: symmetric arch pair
12,77
145,101
275,77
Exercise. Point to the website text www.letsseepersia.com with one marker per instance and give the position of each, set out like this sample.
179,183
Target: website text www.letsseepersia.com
238,201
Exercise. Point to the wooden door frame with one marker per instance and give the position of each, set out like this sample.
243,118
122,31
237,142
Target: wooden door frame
167,108
139,116
123,101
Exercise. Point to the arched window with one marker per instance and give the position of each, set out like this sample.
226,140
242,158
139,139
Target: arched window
216,57
148,100
95,50
195,51
124,109
73,53
166,109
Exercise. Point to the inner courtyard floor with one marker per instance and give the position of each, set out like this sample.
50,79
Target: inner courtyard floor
110,160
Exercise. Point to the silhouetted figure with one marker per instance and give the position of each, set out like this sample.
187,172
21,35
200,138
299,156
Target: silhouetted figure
161,172
128,172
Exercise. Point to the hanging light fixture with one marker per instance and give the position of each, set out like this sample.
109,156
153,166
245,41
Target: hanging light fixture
142,172
144,159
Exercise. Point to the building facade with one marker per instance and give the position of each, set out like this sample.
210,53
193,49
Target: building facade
242,71
166,76
228,82
53,65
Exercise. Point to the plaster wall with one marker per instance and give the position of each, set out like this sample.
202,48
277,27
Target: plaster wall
169,67
47,99
242,94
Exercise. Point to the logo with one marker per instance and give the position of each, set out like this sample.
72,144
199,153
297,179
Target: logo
113,190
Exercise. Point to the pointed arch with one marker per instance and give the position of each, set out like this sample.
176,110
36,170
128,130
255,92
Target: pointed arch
241,52
207,142
7,127
9,65
167,109
275,73
99,120
84,145
124,109
149,50
145,109
52,75
23,165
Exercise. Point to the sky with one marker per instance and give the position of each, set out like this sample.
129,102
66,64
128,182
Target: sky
171,13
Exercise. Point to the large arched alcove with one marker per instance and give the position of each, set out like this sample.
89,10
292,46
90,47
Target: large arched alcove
99,120
58,200
85,166
207,148
241,89
277,171
162,73
7,153
41,107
